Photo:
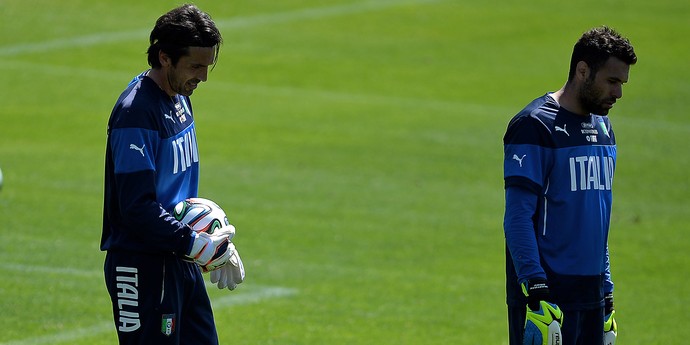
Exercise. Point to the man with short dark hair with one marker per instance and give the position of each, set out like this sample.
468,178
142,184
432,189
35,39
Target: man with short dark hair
152,266
559,161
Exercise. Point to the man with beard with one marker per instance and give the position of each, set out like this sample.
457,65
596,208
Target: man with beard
559,160
153,262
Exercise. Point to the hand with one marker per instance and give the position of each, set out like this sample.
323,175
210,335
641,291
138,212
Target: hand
610,326
543,320
210,251
228,229
231,274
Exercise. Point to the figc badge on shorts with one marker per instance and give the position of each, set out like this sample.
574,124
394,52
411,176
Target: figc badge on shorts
168,324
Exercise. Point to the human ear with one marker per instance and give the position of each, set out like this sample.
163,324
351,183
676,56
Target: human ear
164,59
582,70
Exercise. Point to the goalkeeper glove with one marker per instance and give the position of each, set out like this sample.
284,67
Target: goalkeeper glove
210,251
231,274
543,320
610,326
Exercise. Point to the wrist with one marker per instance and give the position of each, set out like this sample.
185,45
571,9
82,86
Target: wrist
536,290
608,303
187,243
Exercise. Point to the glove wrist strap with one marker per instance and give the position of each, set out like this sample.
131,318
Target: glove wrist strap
535,290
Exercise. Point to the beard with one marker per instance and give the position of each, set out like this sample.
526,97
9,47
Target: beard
181,86
591,98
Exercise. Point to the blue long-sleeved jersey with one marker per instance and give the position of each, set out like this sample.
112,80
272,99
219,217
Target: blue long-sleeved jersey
558,172
152,163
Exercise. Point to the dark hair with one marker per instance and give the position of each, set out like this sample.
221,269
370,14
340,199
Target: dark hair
181,28
598,45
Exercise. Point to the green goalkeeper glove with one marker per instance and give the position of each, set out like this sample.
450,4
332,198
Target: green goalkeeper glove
543,320
610,326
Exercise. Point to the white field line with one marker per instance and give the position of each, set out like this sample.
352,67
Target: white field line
230,24
240,23
66,336
257,294
50,270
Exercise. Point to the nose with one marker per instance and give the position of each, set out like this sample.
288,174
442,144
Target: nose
618,91
203,74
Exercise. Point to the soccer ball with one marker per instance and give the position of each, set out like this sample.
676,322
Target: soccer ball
203,215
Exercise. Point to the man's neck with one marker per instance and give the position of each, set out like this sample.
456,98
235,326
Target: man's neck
566,98
157,75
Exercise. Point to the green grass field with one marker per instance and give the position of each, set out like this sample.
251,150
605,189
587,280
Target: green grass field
357,147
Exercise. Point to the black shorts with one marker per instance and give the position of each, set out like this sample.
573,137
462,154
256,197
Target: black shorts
158,299
580,327
581,298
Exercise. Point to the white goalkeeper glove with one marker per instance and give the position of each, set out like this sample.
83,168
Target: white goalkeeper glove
543,320
210,251
231,274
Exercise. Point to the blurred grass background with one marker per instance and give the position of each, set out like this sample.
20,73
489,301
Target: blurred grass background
356,145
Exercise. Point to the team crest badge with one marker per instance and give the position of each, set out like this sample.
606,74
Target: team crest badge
168,324
603,127
179,112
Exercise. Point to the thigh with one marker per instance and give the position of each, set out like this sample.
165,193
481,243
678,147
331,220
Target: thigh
583,327
145,306
591,327
197,325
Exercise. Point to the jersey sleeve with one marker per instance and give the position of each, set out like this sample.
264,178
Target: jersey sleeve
134,151
527,154
521,205
608,282
526,164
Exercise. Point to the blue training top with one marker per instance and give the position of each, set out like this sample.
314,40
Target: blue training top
558,171
152,163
